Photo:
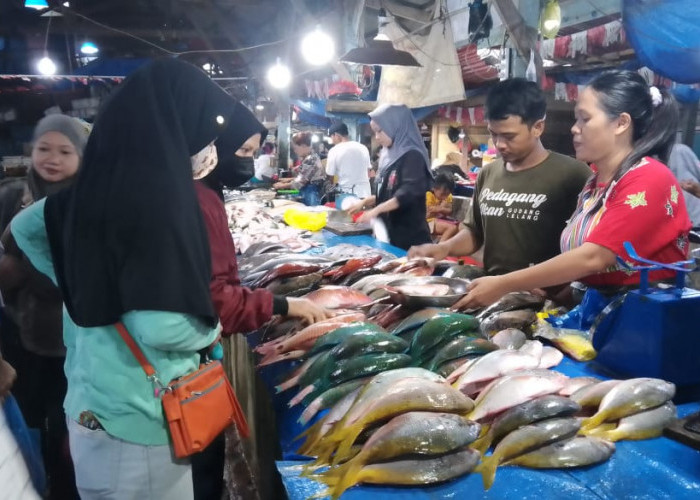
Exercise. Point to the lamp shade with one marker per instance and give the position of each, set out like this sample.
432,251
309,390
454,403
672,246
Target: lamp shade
380,53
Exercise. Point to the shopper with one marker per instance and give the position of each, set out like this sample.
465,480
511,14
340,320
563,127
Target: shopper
402,179
240,309
127,243
311,178
620,125
523,199
349,161
264,164
32,327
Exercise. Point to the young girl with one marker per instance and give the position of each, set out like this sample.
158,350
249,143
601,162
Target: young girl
438,205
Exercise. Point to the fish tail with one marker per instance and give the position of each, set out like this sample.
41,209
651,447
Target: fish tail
310,411
482,444
349,478
310,434
487,469
599,430
287,384
591,422
345,445
302,394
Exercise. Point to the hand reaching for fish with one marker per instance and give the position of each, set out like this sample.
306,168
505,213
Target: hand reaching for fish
437,252
307,310
482,292
367,216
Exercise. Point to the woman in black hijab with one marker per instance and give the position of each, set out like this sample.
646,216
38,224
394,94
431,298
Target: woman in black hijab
127,243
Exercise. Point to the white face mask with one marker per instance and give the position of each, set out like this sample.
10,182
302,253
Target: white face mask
205,161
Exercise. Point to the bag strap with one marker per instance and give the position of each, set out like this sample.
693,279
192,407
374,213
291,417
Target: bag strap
138,354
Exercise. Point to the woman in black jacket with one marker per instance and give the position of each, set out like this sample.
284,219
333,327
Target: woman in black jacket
402,179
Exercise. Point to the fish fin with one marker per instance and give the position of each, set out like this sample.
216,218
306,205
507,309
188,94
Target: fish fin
349,478
311,434
301,395
487,469
344,448
594,421
310,411
482,444
599,431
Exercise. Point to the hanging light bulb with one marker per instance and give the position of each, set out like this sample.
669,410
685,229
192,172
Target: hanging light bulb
279,75
89,48
551,19
46,66
318,48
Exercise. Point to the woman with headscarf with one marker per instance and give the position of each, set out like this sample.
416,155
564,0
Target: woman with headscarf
240,309
127,243
32,330
402,179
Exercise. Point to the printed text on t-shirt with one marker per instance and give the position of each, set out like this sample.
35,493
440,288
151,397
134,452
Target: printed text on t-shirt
532,201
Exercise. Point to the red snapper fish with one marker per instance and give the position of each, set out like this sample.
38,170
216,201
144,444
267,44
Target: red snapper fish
338,297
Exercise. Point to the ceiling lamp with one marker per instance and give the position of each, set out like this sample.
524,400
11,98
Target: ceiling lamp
46,66
279,75
551,19
318,48
36,4
89,48
380,51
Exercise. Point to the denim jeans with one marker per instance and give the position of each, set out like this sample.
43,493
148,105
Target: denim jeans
109,468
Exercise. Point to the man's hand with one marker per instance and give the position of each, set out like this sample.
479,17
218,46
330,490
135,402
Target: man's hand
7,378
437,252
691,186
367,216
482,292
307,310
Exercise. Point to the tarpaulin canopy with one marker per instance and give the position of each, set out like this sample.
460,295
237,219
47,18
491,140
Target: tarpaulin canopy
664,34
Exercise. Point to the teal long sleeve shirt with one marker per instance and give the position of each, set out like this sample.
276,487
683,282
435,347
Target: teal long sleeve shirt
103,375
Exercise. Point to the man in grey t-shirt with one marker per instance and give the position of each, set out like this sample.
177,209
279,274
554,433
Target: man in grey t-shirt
522,200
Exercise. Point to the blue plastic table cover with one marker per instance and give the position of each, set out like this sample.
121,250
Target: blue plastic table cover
651,469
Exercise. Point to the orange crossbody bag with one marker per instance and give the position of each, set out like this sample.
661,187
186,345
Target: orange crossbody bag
197,406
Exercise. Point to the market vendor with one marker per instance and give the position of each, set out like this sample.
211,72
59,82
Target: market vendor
311,178
403,178
621,124
523,199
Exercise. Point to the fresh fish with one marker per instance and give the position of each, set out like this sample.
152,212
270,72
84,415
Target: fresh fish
521,319
360,345
419,471
532,411
576,383
450,366
426,290
363,366
510,338
279,327
418,318
550,357
413,433
630,397
577,452
332,339
391,265
533,348
415,267
330,397
459,348
263,247
524,440
491,366
290,286
404,395
592,394
511,302
469,272
247,264
273,262
441,328
351,266
370,283
297,374
353,278
511,390
391,316
644,425
338,297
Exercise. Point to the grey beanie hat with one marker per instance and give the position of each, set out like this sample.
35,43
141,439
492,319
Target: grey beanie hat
76,130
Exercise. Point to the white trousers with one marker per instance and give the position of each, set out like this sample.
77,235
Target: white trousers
107,468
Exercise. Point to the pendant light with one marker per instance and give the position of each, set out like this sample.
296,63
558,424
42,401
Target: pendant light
550,21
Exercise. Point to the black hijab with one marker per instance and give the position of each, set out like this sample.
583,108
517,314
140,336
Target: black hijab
128,235
229,171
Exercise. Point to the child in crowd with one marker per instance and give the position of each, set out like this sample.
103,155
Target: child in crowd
438,205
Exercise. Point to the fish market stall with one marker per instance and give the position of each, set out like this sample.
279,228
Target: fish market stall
398,391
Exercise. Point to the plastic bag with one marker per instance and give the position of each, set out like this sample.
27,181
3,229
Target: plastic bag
309,221
583,315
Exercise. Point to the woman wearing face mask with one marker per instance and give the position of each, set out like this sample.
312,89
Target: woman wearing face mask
127,243
623,128
240,309
32,334
402,180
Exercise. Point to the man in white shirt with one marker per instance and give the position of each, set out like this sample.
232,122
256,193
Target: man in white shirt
349,160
